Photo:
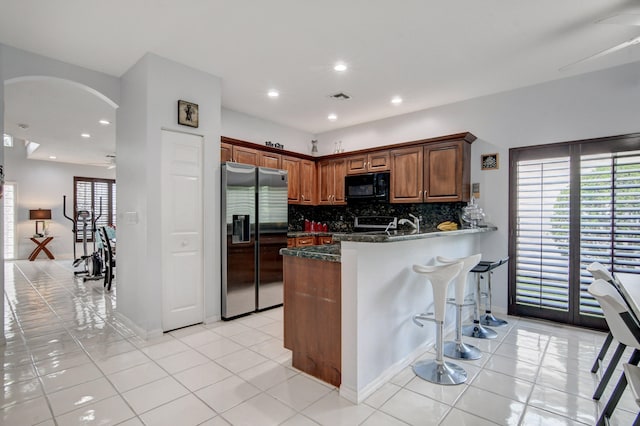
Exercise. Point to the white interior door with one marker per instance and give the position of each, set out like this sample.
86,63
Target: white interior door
182,239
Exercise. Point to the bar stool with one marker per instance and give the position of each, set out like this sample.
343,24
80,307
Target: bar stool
458,349
599,272
488,267
476,329
438,371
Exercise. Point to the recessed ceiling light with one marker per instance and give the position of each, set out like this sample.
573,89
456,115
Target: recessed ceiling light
332,117
273,93
104,122
52,157
85,135
396,100
340,67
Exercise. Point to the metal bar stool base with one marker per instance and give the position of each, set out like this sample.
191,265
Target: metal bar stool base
461,351
446,373
478,331
490,320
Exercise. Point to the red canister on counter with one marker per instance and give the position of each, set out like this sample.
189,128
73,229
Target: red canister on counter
325,228
307,225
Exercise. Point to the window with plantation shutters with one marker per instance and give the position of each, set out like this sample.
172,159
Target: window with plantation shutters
571,204
542,254
98,197
609,217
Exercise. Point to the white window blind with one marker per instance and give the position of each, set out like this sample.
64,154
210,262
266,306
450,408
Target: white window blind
98,197
542,233
9,198
609,217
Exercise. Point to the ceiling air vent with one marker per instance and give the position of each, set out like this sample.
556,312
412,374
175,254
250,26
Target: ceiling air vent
340,96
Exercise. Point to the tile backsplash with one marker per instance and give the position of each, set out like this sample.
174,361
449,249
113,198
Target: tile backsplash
341,218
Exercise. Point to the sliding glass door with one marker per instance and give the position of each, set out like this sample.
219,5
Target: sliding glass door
571,204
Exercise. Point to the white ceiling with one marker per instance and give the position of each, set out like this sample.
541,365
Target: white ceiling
426,51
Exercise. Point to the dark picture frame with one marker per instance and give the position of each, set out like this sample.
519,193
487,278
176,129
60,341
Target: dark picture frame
187,113
490,161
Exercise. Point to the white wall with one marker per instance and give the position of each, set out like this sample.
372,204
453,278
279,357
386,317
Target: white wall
149,94
591,105
2,339
41,184
253,129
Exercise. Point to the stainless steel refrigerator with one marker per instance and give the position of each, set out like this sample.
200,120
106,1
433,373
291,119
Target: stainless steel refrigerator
254,229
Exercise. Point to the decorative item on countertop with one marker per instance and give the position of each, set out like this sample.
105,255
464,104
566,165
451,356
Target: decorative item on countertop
307,225
472,214
447,226
325,228
314,147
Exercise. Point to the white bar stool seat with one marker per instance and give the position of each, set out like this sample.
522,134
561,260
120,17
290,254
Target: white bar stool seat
438,371
458,349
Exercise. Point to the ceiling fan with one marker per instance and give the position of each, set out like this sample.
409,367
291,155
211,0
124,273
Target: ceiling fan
621,19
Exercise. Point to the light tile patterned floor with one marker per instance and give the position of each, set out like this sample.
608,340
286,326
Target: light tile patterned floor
69,361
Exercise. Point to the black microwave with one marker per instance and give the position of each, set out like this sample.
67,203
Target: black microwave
368,187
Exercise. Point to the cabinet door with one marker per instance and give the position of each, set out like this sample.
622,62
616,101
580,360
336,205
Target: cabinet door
378,161
307,181
325,182
226,152
444,172
406,175
292,166
245,155
339,172
269,159
356,164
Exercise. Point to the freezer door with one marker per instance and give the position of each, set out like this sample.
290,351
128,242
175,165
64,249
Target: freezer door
272,235
238,215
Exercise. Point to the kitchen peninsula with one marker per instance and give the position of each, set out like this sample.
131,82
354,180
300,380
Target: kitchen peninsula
348,305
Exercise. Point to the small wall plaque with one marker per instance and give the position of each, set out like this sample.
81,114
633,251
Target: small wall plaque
489,161
187,114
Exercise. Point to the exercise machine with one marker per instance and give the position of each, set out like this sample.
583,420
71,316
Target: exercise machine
92,262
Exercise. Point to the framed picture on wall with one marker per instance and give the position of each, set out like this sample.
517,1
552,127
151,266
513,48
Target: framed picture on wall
489,161
187,113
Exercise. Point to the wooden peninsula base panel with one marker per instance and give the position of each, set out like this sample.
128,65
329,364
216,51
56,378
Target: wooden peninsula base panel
312,318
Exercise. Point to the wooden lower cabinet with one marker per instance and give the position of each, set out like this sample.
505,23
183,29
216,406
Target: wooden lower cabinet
312,316
305,241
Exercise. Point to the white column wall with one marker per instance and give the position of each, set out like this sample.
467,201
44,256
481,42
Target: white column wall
591,105
380,295
2,338
150,92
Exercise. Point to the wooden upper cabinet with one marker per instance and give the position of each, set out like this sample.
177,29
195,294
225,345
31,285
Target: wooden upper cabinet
447,171
292,166
331,175
376,161
226,152
245,155
270,159
307,181
406,175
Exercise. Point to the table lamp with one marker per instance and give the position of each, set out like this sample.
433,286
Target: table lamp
40,216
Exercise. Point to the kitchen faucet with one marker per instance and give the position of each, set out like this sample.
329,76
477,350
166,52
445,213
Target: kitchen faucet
415,224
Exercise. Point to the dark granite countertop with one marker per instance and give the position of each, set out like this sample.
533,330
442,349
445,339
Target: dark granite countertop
392,236
331,252
326,252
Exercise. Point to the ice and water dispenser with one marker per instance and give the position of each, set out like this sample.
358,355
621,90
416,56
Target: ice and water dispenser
240,233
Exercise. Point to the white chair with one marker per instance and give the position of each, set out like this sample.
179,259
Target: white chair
622,325
631,376
438,371
458,349
599,272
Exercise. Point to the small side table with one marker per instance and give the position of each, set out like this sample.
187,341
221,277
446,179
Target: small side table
41,247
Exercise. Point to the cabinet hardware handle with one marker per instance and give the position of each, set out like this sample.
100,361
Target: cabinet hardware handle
364,165
302,197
